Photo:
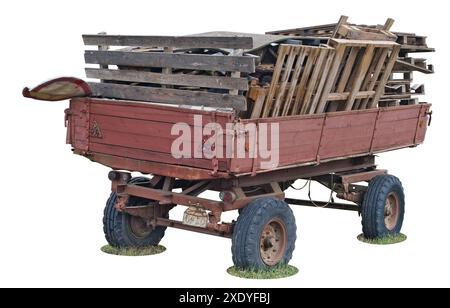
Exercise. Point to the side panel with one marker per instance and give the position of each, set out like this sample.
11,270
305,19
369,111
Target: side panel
331,136
140,131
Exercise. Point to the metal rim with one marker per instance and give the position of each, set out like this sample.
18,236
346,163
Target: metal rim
272,243
391,211
138,227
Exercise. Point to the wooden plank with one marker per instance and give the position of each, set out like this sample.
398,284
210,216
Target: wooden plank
384,78
168,96
275,77
363,43
216,82
301,51
301,88
235,75
231,42
375,76
347,69
388,24
313,80
103,48
342,21
259,103
331,78
323,78
284,80
186,61
167,70
345,95
369,75
362,70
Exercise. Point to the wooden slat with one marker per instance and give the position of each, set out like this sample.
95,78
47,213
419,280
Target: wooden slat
302,51
259,103
384,78
362,70
169,96
284,80
275,77
318,65
345,95
186,61
363,43
322,80
301,88
232,42
369,75
216,82
375,76
331,78
347,69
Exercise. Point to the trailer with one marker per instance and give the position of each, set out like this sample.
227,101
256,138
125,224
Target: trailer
319,118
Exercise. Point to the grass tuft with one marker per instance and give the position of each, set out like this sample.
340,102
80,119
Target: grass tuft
279,271
387,240
133,251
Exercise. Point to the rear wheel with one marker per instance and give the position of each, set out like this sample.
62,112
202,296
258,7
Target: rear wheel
264,235
124,230
383,207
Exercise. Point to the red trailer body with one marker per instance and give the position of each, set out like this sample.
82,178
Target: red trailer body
136,136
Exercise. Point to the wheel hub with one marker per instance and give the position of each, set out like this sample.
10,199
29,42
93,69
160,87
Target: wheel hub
273,242
139,226
391,211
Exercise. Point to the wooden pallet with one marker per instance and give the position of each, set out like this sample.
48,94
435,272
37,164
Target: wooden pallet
347,75
161,74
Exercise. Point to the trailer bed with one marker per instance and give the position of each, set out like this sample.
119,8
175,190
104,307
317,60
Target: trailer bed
136,136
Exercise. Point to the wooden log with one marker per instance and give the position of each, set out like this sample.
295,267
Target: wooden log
231,42
216,82
168,96
165,60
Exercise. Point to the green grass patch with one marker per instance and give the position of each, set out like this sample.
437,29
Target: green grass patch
280,271
387,240
133,251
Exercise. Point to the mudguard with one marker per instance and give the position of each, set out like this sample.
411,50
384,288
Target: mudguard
59,89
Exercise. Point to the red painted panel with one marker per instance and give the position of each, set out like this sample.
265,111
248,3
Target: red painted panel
142,131
152,156
394,134
347,134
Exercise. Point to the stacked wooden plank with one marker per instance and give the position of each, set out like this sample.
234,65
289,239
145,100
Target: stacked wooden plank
334,67
400,88
158,69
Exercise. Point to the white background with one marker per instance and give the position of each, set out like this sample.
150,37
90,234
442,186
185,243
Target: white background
52,201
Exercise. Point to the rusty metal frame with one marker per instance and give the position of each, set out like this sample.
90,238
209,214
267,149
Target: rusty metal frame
345,172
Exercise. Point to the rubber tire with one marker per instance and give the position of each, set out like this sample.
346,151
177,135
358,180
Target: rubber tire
116,227
248,228
374,203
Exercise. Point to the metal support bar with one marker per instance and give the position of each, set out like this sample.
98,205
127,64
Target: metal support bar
321,204
179,225
170,197
294,173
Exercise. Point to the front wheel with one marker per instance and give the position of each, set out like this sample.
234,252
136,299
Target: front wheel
124,230
264,235
383,207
